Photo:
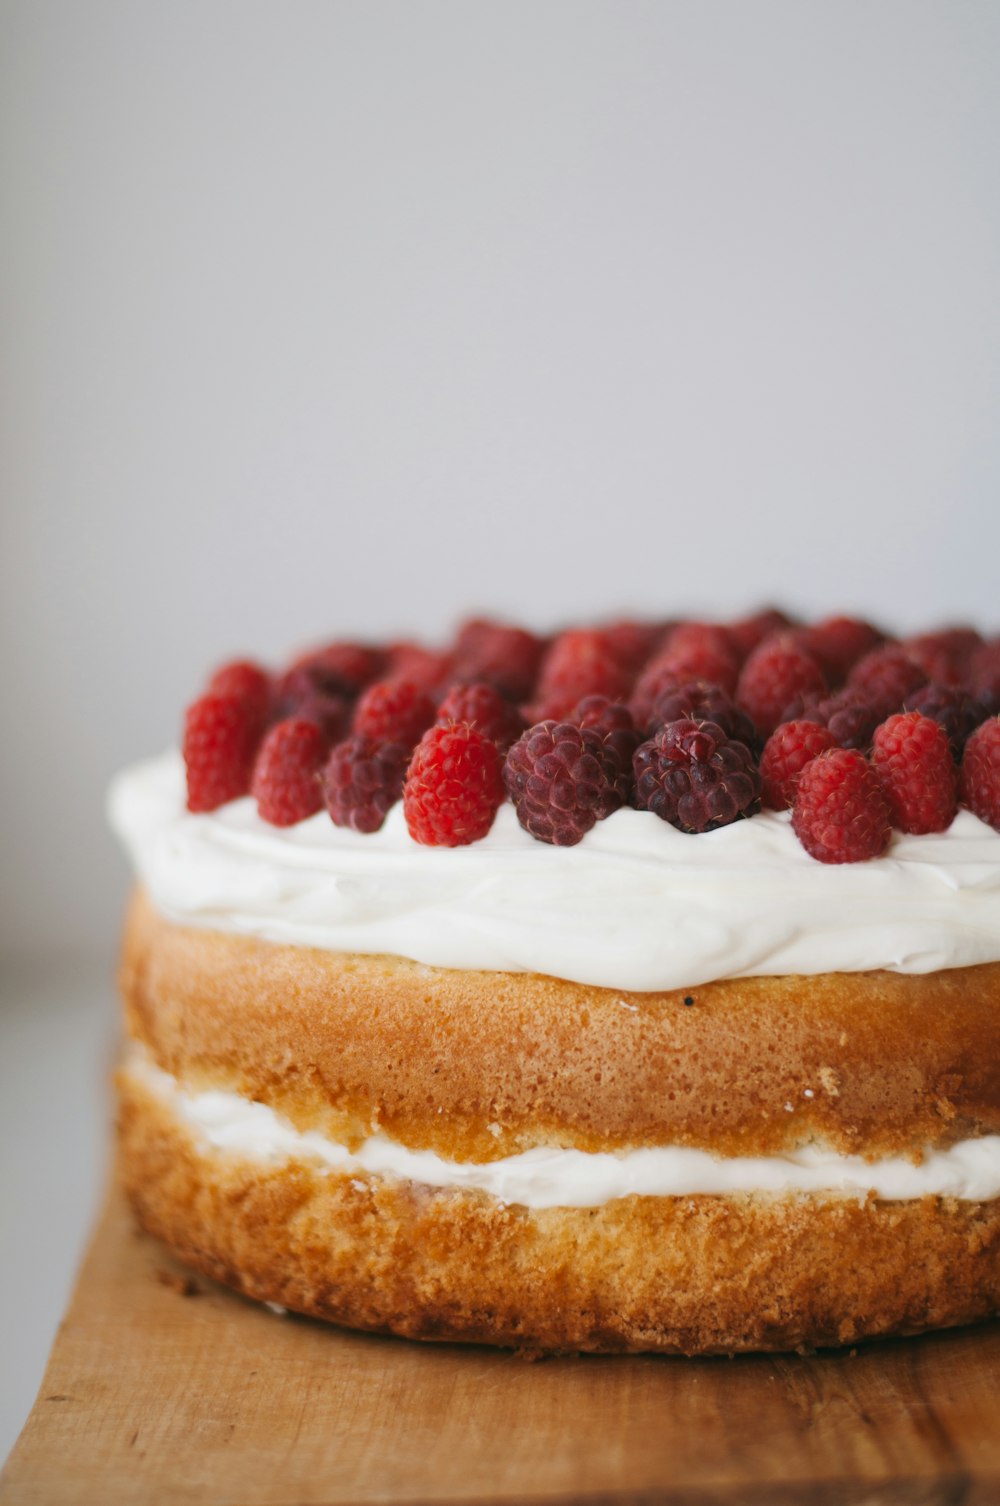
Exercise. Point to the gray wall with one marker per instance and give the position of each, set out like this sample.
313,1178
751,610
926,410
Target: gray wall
346,317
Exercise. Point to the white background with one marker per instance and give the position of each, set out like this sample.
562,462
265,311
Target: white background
345,318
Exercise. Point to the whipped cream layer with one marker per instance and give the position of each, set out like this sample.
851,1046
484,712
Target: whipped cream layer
554,1178
637,905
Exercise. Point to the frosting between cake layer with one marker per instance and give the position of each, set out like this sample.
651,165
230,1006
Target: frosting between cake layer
637,905
559,1178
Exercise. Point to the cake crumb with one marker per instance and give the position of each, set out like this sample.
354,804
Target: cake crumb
624,1004
789,1108
494,1129
277,1309
830,1081
184,1286
358,1185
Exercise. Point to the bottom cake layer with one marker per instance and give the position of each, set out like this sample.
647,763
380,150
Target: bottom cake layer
693,1274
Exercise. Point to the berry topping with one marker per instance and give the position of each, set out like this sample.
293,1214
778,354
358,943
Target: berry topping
852,721
221,734
314,693
658,676
246,681
504,656
362,780
885,677
613,721
346,667
453,786
631,642
558,780
692,775
912,758
286,783
786,753
393,711
580,662
700,702
945,655
425,667
746,634
984,667
838,643
981,773
775,673
841,813
958,712
484,707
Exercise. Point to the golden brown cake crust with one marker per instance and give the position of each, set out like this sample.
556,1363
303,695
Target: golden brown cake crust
695,1274
477,1065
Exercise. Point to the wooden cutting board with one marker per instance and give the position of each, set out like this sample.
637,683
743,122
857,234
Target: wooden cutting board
161,1389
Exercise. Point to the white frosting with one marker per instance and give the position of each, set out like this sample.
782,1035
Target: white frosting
553,1178
637,905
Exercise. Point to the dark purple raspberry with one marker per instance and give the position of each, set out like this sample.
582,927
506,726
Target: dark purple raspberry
692,775
613,720
556,776
700,701
363,778
953,707
851,720
313,692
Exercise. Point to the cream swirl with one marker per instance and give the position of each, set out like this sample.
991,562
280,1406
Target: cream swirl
636,905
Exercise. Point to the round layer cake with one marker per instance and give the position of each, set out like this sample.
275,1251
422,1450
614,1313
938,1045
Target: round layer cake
652,1091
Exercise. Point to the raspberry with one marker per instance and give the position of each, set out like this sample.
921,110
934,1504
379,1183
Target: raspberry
746,634
427,668
557,779
838,643
631,642
841,814
221,734
246,681
347,667
453,786
613,721
984,667
393,711
702,651
362,780
958,712
693,776
945,655
658,676
700,702
912,758
507,657
580,662
774,674
852,721
885,677
981,773
286,784
483,707
314,693
786,753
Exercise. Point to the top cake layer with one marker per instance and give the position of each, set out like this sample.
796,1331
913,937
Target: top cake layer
636,905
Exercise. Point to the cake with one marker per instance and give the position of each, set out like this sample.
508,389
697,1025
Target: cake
553,1037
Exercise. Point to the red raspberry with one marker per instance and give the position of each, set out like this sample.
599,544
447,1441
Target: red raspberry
837,643
428,668
693,776
632,642
981,773
958,712
312,692
657,678
786,753
556,776
851,720
246,681
453,786
911,756
347,667
746,634
393,711
841,814
580,662
483,707
774,674
613,721
945,655
221,734
286,776
507,657
702,651
701,702
984,667
885,677
362,780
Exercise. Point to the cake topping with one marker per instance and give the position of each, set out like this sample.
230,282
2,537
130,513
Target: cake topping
692,775
559,782
981,773
362,781
912,758
885,677
841,813
786,753
393,711
482,706
221,733
775,673
453,786
286,783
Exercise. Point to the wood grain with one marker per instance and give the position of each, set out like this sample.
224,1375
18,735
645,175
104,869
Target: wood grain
160,1389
